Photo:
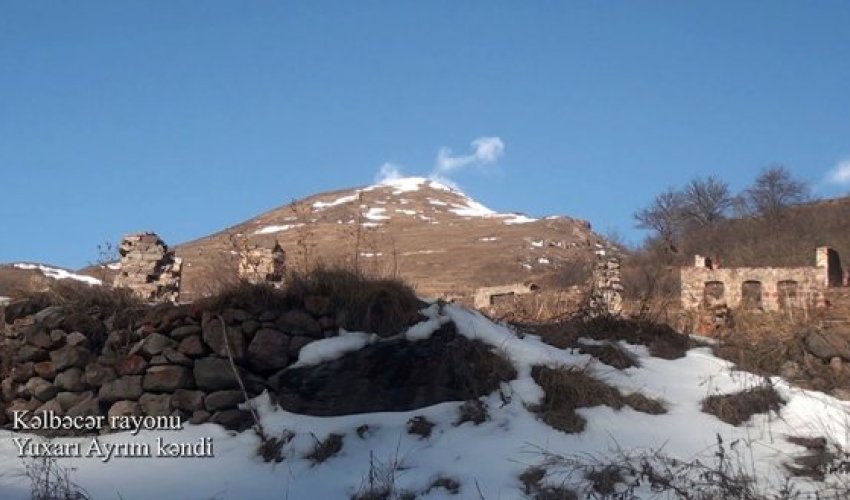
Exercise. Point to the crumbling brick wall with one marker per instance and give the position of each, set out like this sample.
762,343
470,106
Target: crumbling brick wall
768,288
149,268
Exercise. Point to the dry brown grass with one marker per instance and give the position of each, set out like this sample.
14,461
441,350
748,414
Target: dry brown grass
738,407
567,389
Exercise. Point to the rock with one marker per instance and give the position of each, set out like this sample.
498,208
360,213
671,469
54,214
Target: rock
268,317
51,406
155,343
8,388
84,323
22,372
58,338
127,387
317,305
45,369
31,353
96,374
836,365
174,357
791,370
183,332
155,404
269,350
166,378
132,365
39,338
41,389
199,417
70,357
299,323
222,400
21,405
234,420
85,407
829,344
68,399
192,346
77,338
214,374
124,409
250,327
187,400
214,337
70,380
50,317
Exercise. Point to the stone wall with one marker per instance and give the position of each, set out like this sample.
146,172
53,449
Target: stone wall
149,268
768,288
264,262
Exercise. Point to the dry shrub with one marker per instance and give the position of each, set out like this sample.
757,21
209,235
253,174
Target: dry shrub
325,449
533,487
420,426
474,411
567,389
738,407
359,302
610,354
380,305
661,340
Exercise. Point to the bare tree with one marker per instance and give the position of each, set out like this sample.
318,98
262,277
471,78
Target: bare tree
664,216
706,201
773,190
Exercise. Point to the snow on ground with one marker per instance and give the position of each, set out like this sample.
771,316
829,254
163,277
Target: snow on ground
59,274
321,205
488,457
276,229
376,213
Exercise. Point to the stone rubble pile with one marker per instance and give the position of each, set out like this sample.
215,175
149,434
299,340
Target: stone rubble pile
149,268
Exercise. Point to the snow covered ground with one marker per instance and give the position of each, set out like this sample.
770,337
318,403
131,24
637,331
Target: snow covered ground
488,457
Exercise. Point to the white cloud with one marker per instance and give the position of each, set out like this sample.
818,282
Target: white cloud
388,172
840,174
486,150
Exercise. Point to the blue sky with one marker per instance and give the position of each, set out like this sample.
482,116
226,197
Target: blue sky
187,117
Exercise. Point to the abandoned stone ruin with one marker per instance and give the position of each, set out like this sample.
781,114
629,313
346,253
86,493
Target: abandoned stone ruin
707,286
489,296
264,262
606,296
149,268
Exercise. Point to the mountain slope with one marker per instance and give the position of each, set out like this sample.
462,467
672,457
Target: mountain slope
433,235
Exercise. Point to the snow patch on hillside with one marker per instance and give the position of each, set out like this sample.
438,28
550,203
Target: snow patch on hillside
58,273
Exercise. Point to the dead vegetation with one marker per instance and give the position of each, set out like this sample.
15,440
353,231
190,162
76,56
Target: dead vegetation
325,449
474,411
738,407
567,389
661,340
420,426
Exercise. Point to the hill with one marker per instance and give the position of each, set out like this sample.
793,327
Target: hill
430,234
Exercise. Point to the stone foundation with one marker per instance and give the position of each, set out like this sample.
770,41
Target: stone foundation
264,262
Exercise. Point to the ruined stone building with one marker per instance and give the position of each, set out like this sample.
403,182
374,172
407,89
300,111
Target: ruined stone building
264,262
764,288
149,268
606,294
487,296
